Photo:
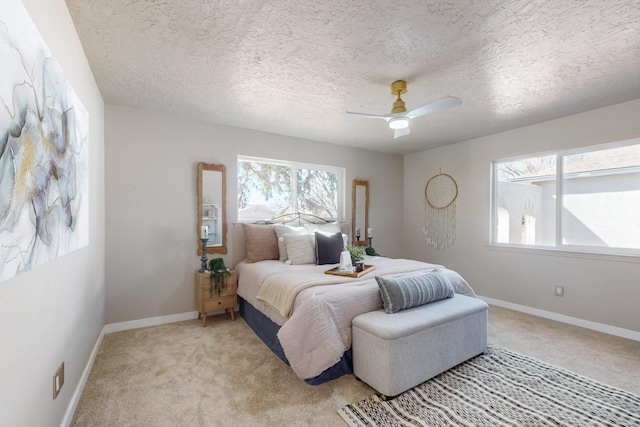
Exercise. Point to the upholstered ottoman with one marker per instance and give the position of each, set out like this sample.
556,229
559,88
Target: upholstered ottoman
394,352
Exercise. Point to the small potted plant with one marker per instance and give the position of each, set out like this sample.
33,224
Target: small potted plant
357,253
370,251
218,273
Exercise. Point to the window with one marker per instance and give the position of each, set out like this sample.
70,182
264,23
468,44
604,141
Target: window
584,200
268,188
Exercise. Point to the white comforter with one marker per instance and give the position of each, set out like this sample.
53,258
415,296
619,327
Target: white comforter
318,331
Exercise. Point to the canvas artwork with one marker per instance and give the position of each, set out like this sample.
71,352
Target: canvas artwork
44,129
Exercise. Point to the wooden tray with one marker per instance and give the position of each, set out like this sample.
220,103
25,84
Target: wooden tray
335,272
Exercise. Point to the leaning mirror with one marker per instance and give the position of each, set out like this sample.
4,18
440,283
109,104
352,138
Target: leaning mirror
212,207
360,212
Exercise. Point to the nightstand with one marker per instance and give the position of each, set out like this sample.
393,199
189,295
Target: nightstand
205,301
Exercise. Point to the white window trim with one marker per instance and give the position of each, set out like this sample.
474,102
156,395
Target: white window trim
600,252
551,251
299,165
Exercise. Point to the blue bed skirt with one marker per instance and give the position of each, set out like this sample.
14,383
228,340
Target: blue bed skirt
267,330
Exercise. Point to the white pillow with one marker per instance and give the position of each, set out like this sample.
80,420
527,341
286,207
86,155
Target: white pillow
329,228
301,248
345,227
281,231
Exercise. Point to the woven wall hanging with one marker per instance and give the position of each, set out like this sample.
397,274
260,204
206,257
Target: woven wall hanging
440,211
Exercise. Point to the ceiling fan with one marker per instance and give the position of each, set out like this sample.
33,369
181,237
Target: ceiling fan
399,119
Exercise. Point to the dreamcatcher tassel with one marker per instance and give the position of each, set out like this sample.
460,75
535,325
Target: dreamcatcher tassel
440,211
440,226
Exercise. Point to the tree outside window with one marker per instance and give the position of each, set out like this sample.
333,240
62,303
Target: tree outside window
268,188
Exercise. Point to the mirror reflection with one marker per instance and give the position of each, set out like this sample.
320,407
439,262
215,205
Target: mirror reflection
360,212
212,194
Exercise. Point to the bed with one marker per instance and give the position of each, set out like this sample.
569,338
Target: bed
304,315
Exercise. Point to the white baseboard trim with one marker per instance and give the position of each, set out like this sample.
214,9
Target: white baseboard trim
600,327
151,321
75,399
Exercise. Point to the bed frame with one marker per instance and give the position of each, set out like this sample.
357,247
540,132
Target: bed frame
299,217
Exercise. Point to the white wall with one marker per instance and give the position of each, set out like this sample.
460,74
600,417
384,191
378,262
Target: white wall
604,290
152,236
55,312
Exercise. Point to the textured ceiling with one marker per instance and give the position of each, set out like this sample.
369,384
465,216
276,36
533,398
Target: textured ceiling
295,67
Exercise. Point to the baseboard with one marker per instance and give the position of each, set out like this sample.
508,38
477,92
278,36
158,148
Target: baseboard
151,321
600,327
73,404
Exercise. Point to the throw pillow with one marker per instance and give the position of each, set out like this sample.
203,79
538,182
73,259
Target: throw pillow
328,248
301,248
345,227
406,292
281,230
262,243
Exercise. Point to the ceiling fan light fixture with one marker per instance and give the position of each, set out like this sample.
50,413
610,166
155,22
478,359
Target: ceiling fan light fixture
399,118
399,123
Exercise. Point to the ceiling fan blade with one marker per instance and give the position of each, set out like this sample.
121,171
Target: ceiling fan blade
401,132
438,105
369,116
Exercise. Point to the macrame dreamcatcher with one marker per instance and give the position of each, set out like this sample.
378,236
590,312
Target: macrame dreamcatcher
440,211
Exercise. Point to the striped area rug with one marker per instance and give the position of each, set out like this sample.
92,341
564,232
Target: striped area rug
501,388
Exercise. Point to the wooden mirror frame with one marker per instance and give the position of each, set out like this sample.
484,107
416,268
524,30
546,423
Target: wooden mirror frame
222,247
354,213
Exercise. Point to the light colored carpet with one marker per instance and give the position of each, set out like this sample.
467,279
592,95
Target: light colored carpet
606,358
184,375
501,388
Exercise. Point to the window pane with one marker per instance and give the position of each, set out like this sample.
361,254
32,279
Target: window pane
317,192
524,203
264,190
601,203
268,188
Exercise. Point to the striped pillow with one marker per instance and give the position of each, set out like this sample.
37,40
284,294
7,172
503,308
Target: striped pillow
406,292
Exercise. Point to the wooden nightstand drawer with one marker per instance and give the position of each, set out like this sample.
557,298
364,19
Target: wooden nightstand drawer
205,280
230,289
208,300
212,304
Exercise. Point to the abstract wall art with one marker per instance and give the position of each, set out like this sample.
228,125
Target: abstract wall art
44,209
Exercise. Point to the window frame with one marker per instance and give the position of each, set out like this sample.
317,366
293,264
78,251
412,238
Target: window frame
558,245
340,171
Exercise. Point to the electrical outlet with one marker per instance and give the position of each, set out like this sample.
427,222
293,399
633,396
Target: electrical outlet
58,380
559,291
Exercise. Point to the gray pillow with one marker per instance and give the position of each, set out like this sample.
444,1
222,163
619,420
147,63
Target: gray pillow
406,292
328,248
